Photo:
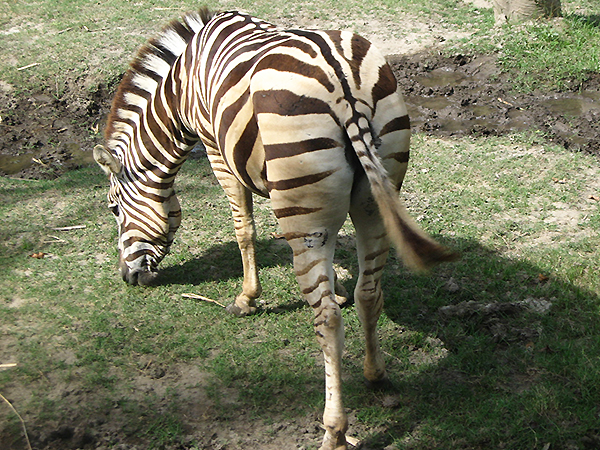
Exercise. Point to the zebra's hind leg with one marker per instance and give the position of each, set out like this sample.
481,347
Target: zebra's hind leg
312,237
240,200
316,277
372,248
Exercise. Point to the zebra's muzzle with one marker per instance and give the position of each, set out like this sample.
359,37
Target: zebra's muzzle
135,277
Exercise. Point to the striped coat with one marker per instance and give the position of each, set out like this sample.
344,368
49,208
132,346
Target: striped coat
310,119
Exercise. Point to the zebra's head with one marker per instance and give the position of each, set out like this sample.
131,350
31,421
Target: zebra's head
147,220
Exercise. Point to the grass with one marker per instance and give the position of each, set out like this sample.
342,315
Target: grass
516,379
554,55
99,360
100,39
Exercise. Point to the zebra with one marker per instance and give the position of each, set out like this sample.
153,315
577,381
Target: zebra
310,119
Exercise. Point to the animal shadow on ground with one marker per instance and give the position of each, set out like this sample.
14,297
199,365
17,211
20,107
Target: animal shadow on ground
486,330
490,331
223,262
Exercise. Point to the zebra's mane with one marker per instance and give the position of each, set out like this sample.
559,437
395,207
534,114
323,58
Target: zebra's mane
152,64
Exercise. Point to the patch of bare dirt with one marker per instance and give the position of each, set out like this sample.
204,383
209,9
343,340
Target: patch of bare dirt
42,135
462,95
123,418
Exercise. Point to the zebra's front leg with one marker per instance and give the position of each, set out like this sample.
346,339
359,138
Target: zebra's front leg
245,232
341,294
240,200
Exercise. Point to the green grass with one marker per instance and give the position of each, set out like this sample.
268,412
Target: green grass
514,380
156,369
100,39
554,55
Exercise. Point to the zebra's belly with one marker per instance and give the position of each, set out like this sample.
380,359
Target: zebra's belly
246,160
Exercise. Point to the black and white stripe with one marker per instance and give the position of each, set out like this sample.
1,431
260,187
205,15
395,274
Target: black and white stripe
310,119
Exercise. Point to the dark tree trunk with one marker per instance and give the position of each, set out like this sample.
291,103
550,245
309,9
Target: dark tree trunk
514,11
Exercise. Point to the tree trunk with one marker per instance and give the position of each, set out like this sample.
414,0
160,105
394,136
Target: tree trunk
514,11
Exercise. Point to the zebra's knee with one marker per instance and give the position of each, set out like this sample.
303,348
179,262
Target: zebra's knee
328,320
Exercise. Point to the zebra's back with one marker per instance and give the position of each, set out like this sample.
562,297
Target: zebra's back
268,98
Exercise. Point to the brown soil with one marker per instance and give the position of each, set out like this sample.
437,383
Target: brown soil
42,135
469,95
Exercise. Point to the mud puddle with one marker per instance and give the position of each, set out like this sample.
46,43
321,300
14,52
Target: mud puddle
469,95
42,136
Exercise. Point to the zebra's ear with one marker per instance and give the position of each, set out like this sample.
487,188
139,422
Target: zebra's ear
107,160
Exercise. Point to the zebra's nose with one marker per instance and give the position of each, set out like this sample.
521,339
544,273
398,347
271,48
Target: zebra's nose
137,277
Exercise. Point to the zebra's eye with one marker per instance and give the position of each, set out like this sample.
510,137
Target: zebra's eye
114,208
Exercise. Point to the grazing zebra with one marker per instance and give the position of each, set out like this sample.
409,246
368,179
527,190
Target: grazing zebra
310,119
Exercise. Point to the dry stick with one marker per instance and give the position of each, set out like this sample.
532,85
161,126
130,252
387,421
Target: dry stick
205,299
56,240
28,66
20,418
74,227
391,356
8,365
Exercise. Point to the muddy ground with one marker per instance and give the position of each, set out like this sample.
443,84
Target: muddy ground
42,135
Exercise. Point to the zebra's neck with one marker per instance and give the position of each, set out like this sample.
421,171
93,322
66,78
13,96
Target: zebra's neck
145,129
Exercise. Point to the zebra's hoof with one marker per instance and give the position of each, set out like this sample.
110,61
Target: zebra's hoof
234,309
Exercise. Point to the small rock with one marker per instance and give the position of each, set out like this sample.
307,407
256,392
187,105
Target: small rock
452,286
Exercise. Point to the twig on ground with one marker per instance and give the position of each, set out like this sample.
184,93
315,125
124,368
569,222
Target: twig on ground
28,66
391,356
56,240
8,365
74,227
204,299
20,418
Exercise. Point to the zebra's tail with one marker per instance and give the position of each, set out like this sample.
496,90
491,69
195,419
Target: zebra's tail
416,248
